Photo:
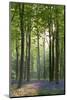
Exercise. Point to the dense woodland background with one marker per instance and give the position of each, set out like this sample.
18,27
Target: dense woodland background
36,42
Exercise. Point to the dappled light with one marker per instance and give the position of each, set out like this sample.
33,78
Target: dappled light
36,49
38,87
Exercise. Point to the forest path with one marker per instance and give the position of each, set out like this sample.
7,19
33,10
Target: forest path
38,88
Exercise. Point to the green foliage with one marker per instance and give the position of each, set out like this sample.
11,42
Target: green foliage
36,18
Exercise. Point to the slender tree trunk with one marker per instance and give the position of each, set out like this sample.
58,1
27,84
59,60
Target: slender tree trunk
61,59
44,75
25,72
61,52
32,66
49,24
29,47
52,58
28,61
21,14
17,59
57,49
38,59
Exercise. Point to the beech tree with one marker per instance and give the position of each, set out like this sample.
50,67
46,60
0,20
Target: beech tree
37,42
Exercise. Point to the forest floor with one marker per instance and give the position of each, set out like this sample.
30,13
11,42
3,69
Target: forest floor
35,88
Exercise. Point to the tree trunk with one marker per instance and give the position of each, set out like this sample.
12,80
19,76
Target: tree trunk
44,75
57,49
49,24
28,60
38,59
21,14
17,59
29,47
61,58
52,57
32,66
25,69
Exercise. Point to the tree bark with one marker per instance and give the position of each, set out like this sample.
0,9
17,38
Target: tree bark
49,24
52,57
57,48
17,54
21,14
38,59
25,69
32,64
44,75
29,47
28,61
